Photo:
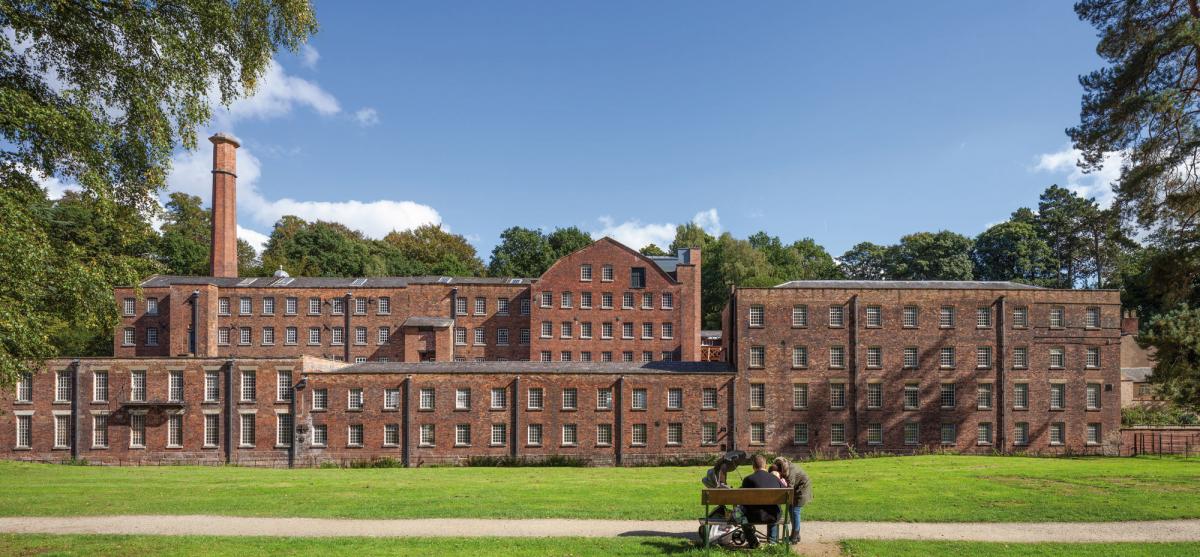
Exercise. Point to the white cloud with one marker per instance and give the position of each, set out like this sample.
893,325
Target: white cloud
309,56
55,188
277,93
256,239
1097,184
366,117
637,235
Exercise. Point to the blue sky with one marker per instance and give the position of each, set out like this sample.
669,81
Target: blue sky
843,122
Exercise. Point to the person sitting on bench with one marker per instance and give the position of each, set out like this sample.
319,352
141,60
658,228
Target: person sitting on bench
761,514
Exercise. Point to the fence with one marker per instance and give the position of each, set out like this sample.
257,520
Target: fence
1180,440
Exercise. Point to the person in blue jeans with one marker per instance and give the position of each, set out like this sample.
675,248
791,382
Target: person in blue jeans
797,480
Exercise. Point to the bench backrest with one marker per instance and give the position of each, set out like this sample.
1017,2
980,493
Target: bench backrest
747,496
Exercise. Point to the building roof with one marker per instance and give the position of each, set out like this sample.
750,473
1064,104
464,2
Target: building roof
436,322
537,368
710,334
1136,374
665,262
910,284
327,282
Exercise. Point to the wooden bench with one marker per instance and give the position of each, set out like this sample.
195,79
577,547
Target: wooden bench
745,496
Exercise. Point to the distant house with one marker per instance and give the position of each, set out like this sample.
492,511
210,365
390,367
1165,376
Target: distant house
1136,366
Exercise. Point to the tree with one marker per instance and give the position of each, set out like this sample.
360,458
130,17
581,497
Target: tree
99,94
1060,221
186,231
322,249
1012,251
865,261
729,262
522,252
691,235
1176,337
565,241
652,250
941,255
430,250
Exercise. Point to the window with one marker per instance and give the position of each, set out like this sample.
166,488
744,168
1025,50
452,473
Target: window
314,306
606,273
427,435
212,386
647,300
223,306
290,335
606,356
1020,396
460,336
758,433
25,387
480,305
1058,432
314,335
244,336
1093,434
1058,396
391,399
337,306
151,336
675,399
1092,319
585,272
638,435
1093,396
284,426
675,434
533,435
983,357
175,386
354,435
523,336
604,397
391,435
565,300
874,395
129,306
289,305
647,330
1093,357
480,336
875,434
499,398
800,316
1020,317
946,317
137,431
585,330
268,336
1145,390
360,335
668,300
837,316
912,396
837,357
462,399
460,306
627,300
268,306
585,300
799,396
383,305
983,318
534,398
100,431
874,316
565,329
983,396
910,357
837,396
62,431
137,386
499,436
874,357
382,335
946,359
547,330
949,434
245,307
570,398
100,386
1021,434
799,434
525,306
837,434
1020,357
758,396
545,355
24,432
799,356
1057,318
638,400
1058,358
757,356
912,433
627,356
62,383
909,321
647,356
354,399
128,339
948,398
708,433
668,331
249,385
338,337
570,435
984,435
606,300
637,277
320,399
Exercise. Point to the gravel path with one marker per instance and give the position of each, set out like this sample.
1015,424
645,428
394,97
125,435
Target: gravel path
814,532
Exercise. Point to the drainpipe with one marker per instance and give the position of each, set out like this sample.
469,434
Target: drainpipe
853,368
731,435
619,421
1001,386
194,300
75,409
514,435
453,322
299,386
346,328
406,423
229,365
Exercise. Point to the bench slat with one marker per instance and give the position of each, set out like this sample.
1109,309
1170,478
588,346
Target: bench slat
747,496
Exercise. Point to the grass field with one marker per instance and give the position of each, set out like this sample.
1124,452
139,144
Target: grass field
864,548
924,489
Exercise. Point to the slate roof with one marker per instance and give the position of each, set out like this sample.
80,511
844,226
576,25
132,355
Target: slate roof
538,367
910,284
439,322
1136,374
326,282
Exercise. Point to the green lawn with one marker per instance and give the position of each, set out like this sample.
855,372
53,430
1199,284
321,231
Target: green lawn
871,548
924,488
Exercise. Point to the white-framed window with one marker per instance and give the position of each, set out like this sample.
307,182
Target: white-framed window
480,336
606,273
639,399
524,307
668,331
314,335
911,359
984,433
137,386
24,431
800,316
175,386
499,398
837,357
606,356
283,385
137,431
637,435
1020,396
212,386
837,316
337,336
25,387
603,435
566,329
290,305
100,386
1093,396
647,300
249,385
948,395
946,317
62,384
1093,357
462,435
462,399
499,436
983,318
565,300
383,334
1092,318
983,357
874,316
946,357
837,434
647,356
151,306
585,300
983,396
604,398
460,336
627,330
667,300
799,356
1058,357
129,337
427,432
912,396
245,306
314,306
391,435
570,435
1020,317
1021,434
212,430
909,318
129,307
284,426
837,395
874,434
1057,318
627,356
547,299
354,435
354,399
535,398
674,434
1058,396
268,305
585,272
799,396
533,435
874,395
647,330
360,335
151,336
1058,433
570,398
675,398
62,431
912,433
480,305
799,434
337,306
627,300
1093,434
391,399
874,357
320,399
223,306
244,336
1020,357
758,395
949,434
100,431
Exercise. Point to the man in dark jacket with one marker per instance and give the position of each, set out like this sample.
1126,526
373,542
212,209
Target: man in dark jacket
797,480
768,514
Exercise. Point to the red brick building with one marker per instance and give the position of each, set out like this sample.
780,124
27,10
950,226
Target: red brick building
600,358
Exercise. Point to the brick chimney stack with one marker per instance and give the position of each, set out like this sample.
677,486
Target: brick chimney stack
223,260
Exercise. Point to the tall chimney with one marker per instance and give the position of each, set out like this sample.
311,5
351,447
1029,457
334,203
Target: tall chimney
223,260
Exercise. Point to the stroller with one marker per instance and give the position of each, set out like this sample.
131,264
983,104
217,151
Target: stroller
724,525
